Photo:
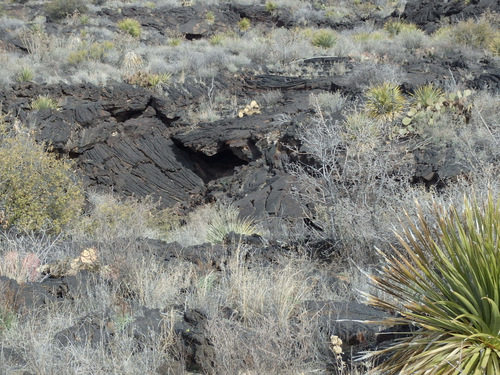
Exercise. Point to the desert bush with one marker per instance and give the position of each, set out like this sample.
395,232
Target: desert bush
130,26
210,17
25,75
244,24
109,218
446,284
472,33
271,6
385,101
37,188
395,27
93,52
216,40
148,80
59,9
44,102
324,39
427,95
362,131
370,74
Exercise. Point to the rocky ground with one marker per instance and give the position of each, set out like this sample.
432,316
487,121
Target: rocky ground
187,142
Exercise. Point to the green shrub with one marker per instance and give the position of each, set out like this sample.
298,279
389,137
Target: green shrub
271,6
25,75
37,189
44,102
244,24
324,39
130,26
210,17
395,27
94,52
59,9
7,319
385,101
148,80
446,284
427,96
473,33
174,42
216,40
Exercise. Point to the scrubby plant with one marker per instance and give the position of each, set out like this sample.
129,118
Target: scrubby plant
395,27
210,17
446,285
385,101
244,24
25,75
130,26
174,42
37,189
84,19
7,319
132,61
59,9
362,130
364,36
476,33
148,80
216,40
226,219
430,100
44,102
427,96
271,6
93,52
494,45
324,39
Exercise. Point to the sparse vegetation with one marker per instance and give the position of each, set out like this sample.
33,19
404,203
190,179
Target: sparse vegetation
145,79
130,26
303,129
59,9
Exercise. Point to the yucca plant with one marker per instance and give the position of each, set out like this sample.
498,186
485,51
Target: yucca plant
446,283
385,101
244,24
324,39
427,96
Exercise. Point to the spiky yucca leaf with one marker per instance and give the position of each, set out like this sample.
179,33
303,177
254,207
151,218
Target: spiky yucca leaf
447,284
385,101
